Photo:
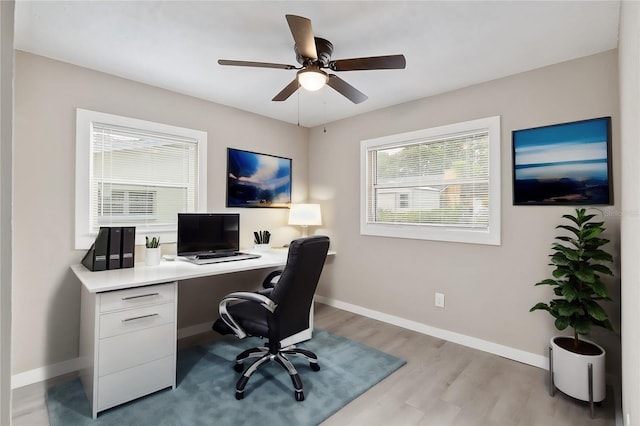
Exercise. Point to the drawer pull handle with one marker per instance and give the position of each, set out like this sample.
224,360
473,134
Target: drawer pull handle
140,317
142,295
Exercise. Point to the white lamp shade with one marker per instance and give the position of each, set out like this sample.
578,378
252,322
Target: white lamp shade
305,214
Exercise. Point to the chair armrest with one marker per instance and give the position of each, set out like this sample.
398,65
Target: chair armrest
248,296
244,296
271,280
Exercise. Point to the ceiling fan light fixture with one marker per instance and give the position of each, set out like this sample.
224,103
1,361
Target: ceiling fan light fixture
312,79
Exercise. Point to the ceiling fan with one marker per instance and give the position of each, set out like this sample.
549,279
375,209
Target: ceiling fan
314,55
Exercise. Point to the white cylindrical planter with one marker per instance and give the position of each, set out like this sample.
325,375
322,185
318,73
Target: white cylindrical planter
571,371
152,256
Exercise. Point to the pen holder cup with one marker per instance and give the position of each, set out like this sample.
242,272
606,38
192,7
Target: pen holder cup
152,256
262,247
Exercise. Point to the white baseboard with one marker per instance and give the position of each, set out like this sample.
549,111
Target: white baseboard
44,373
472,342
54,370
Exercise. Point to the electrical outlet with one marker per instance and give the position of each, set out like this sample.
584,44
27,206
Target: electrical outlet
440,300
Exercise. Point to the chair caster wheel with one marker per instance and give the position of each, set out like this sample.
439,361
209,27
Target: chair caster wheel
315,366
239,395
299,396
239,368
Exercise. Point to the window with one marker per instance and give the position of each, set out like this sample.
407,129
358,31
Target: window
403,202
138,173
438,184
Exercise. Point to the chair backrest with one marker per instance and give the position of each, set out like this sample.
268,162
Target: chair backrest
295,289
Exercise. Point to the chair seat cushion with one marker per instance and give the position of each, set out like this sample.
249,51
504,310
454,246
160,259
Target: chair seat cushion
250,316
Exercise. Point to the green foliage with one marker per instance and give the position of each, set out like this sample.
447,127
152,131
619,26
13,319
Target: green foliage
152,243
578,260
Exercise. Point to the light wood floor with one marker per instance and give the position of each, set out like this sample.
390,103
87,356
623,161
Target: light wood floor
441,384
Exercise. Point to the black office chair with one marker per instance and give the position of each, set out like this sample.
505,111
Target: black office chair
277,312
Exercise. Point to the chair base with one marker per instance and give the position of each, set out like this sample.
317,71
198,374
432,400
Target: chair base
266,354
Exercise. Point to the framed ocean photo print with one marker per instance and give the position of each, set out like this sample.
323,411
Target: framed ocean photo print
257,180
563,164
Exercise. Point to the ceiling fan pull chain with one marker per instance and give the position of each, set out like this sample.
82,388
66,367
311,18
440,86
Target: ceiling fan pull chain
298,94
325,115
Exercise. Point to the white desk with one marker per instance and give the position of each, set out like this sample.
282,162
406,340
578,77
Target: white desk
128,325
167,271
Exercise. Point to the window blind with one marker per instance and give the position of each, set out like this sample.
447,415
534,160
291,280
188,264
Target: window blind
437,182
141,178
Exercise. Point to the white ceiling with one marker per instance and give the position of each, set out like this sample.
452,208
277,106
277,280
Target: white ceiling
447,44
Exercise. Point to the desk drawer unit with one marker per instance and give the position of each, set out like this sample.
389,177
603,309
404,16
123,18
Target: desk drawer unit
136,297
130,347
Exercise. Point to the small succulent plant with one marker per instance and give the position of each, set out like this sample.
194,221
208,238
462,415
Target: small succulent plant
152,243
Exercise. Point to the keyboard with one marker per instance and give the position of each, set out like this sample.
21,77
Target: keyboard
216,255
206,258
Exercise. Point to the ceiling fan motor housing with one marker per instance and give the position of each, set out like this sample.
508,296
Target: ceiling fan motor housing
324,49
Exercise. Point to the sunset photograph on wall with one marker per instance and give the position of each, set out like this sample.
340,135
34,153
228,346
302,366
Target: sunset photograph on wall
563,164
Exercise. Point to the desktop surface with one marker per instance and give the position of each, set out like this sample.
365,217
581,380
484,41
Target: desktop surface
167,271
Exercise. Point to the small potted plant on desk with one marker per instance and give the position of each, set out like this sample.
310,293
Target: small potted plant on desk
577,366
152,251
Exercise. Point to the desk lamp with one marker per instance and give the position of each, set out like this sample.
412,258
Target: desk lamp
305,215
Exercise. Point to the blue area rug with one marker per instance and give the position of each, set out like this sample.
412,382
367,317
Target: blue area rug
205,392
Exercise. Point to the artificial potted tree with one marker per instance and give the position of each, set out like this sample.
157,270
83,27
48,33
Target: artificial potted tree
577,365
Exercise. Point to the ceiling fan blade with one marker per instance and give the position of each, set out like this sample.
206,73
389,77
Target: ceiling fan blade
255,64
287,91
346,90
390,62
303,36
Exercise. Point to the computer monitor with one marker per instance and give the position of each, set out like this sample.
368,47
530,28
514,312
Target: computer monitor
200,233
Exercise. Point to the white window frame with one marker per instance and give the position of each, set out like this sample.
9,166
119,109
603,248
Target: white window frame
84,170
489,236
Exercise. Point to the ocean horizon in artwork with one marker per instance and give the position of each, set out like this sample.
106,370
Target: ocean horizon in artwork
566,163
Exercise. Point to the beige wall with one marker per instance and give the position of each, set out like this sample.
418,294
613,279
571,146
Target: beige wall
45,293
629,52
488,290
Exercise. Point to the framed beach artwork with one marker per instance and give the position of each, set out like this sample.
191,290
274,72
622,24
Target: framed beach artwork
563,164
257,180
